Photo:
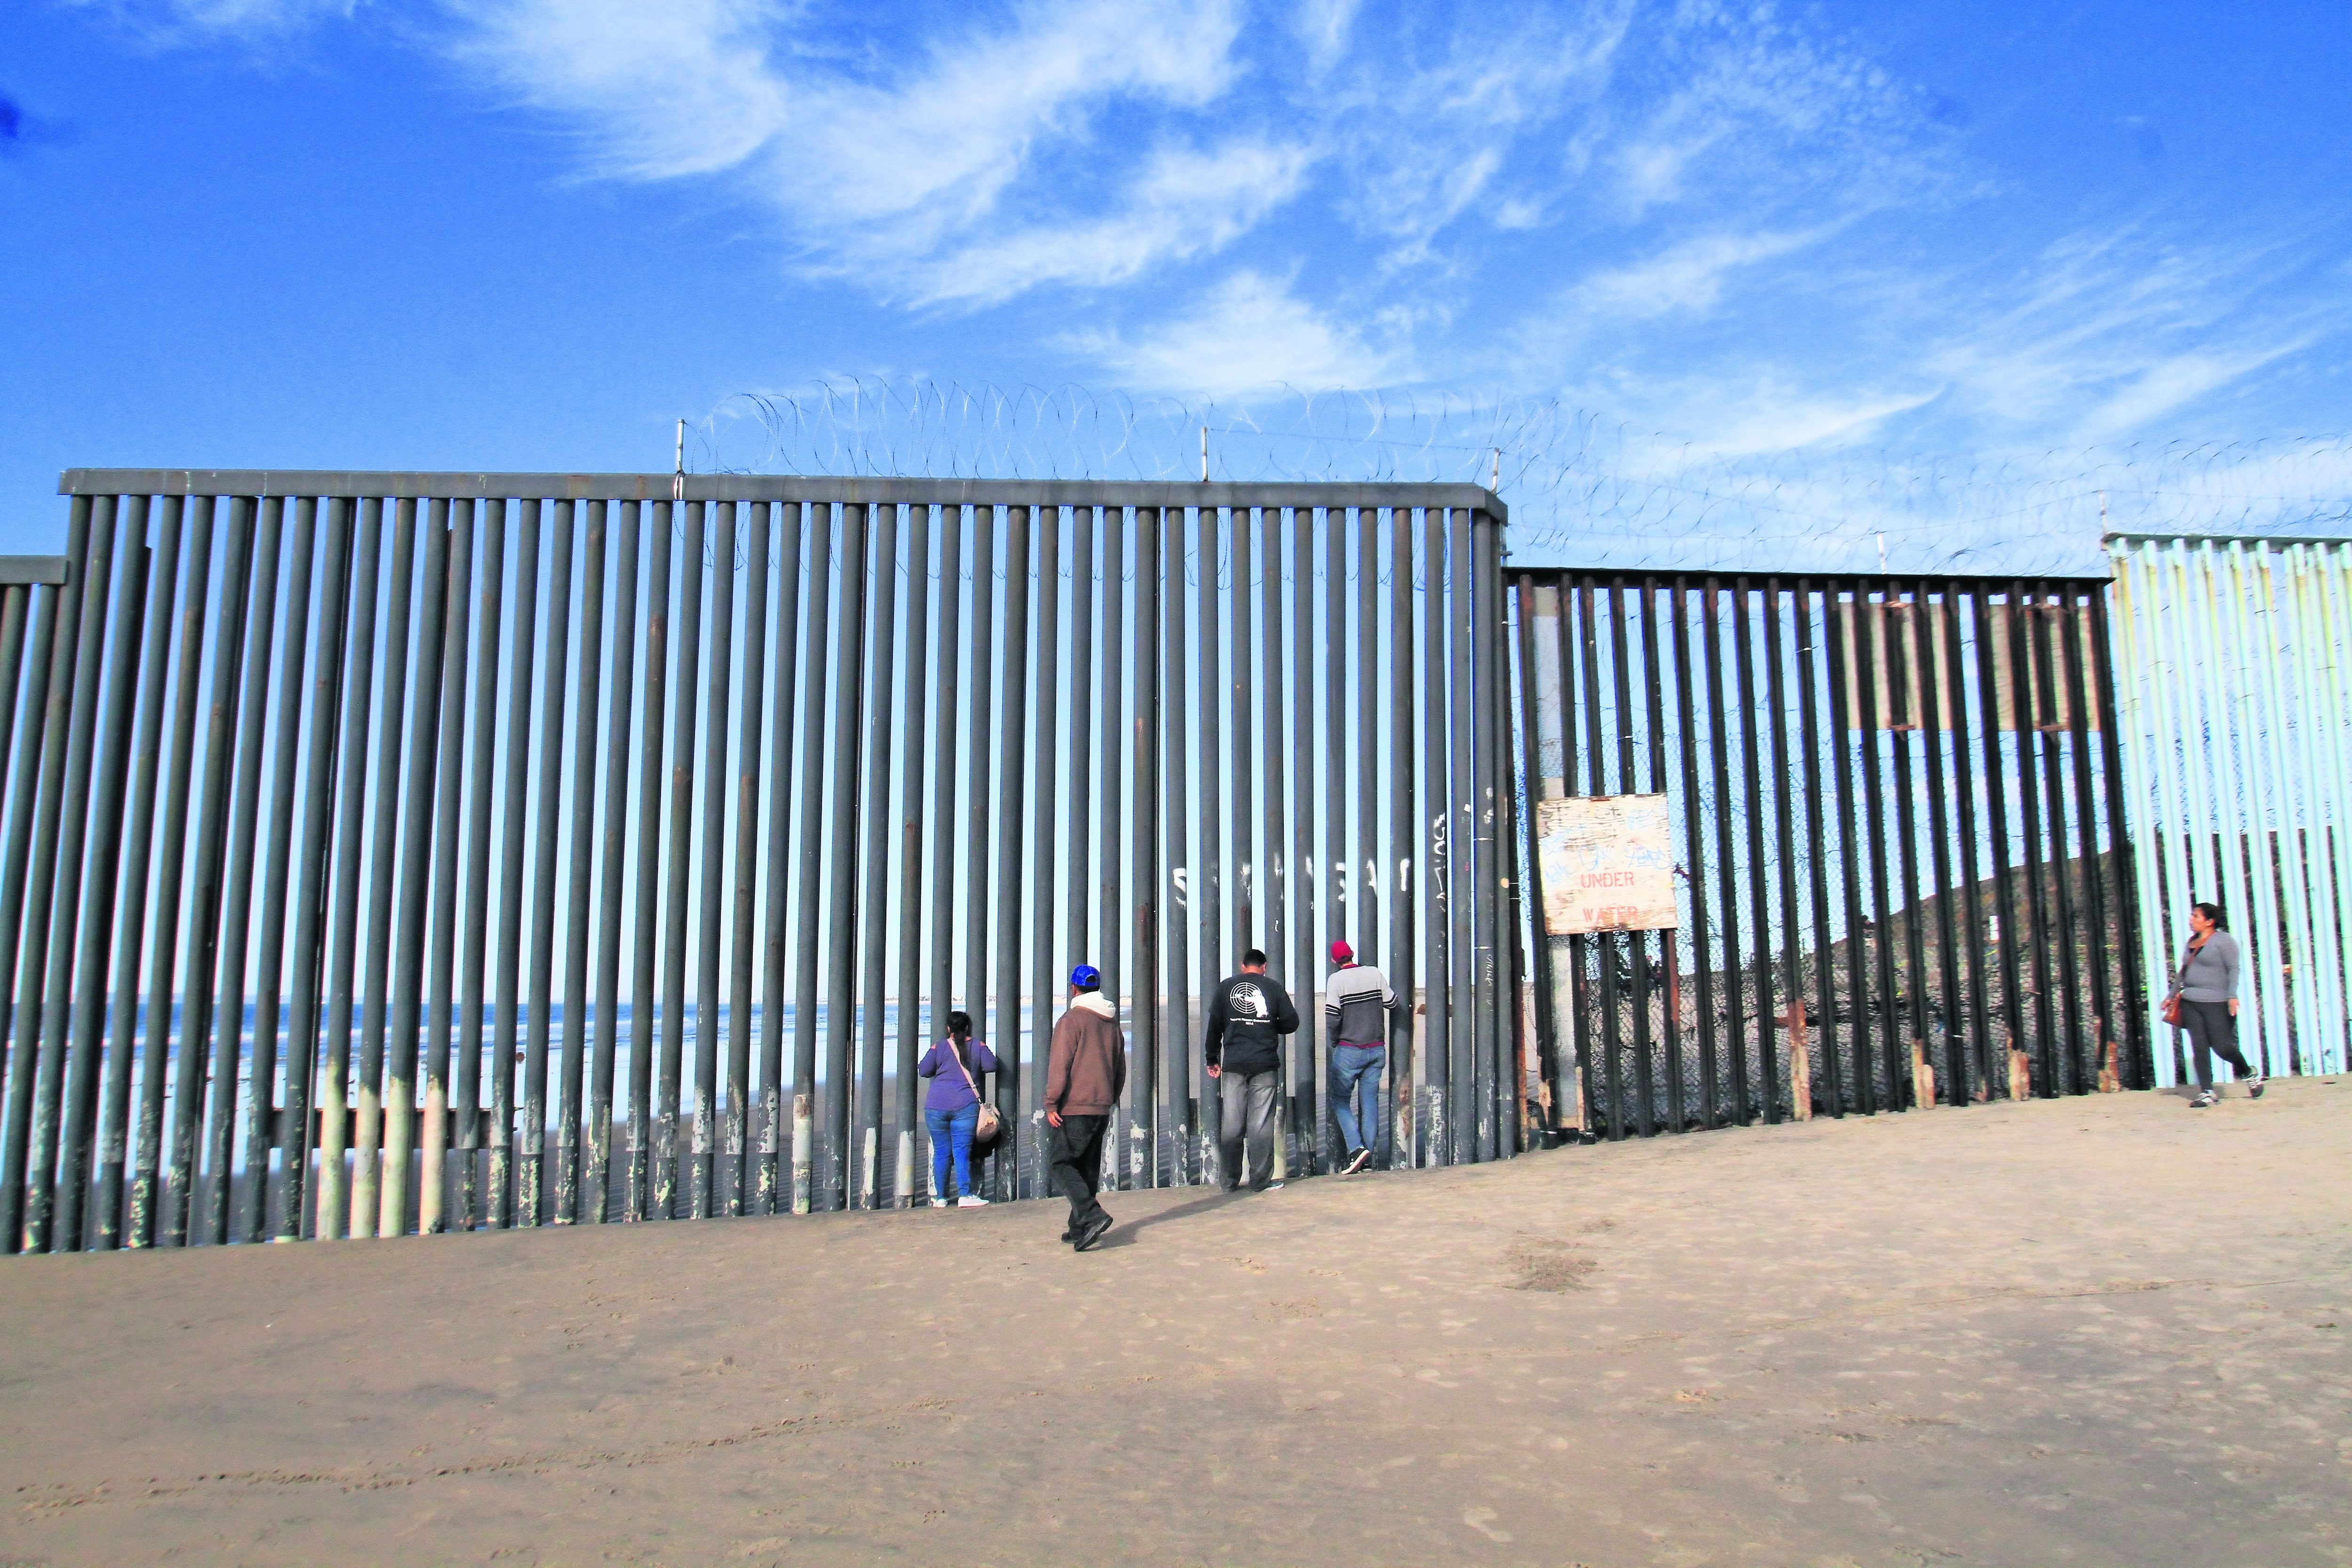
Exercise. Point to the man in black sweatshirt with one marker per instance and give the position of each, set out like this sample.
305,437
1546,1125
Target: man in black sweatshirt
1247,1016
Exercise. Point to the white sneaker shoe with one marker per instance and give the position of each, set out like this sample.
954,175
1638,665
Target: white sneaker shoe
939,1202
970,1202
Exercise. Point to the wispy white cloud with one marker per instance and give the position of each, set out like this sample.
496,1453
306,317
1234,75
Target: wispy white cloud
1246,334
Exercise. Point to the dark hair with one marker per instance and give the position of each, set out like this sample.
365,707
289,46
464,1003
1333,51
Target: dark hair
959,1025
2213,912
1095,985
1254,959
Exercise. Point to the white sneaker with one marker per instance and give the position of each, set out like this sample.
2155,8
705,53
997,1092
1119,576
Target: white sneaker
970,1202
939,1202
2254,1086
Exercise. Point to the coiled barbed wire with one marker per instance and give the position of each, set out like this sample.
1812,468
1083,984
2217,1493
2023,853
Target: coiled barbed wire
1582,489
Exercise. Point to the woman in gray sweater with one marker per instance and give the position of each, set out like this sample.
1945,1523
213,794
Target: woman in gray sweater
2207,984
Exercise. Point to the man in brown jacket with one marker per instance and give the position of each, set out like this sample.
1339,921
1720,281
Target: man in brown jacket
1083,1079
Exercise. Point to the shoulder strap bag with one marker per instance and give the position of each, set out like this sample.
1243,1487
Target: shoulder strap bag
990,1124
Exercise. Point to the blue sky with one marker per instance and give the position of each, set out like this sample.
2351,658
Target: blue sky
1952,271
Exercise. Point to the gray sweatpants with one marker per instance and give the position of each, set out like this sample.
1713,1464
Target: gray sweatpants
1245,1112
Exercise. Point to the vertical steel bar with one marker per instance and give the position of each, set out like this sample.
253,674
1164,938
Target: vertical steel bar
1124,1159
1776,702
32,828
31,754
1632,944
1208,887
1767,1099
872,1002
678,909
1148,1171
1403,837
578,878
100,879
1991,631
277,867
441,943
710,940
230,1022
41,997
1299,1134
1735,1035
774,1005
1336,890
1845,618
2131,914
161,579
645,945
1296,855
744,939
1175,1152
2069,1079
1872,633
986,680
1364,907
1654,679
547,818
416,876
1899,618
1044,985
807,918
841,910
383,846
919,661
1693,841
126,1153
1970,926
2031,698
333,1221
1012,681
2086,821
1928,650
615,887
1810,669
513,834
1531,747
474,936
317,837
1437,1076
1591,976
1078,831
1462,808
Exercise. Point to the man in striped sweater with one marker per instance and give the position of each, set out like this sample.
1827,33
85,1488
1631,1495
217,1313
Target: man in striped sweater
1357,1003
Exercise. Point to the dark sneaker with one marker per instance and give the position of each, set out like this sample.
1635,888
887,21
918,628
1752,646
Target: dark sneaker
1093,1233
1357,1162
2202,1100
2255,1085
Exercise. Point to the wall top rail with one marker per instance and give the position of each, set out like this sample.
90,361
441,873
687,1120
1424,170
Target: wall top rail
2253,541
48,569
858,490
1844,582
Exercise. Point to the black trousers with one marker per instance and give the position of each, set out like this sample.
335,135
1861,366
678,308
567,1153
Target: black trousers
2212,1030
1075,1148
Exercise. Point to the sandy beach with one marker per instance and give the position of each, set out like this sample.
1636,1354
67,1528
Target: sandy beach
2107,1331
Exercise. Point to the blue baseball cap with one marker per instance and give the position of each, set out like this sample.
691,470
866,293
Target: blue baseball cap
1085,977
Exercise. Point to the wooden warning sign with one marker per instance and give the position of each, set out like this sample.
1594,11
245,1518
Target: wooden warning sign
1608,864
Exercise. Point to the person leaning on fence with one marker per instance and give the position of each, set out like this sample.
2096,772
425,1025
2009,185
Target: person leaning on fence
1357,1003
1082,1080
1248,1014
2204,1001
951,1107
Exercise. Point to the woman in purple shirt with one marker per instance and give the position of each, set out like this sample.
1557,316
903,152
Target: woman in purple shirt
951,1107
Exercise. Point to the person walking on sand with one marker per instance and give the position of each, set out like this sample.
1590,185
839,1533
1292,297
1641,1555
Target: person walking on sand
1083,1080
1357,1003
951,1107
1247,1015
2204,1001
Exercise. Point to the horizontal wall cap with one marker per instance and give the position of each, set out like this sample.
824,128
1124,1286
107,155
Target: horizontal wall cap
819,488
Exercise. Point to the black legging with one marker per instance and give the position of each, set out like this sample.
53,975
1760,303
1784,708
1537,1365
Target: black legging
2212,1032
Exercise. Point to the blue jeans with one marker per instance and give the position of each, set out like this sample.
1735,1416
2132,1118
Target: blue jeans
952,1131
1356,1094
